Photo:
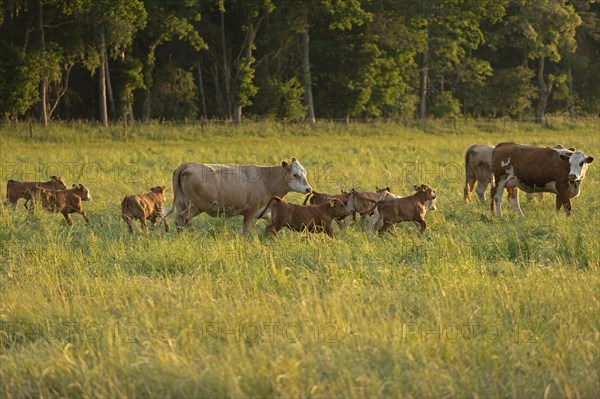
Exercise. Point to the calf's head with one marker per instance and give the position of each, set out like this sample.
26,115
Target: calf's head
337,208
57,183
295,176
82,191
428,193
159,191
578,164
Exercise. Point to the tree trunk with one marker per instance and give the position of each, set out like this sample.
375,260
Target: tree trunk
39,25
571,108
424,74
109,90
146,101
201,85
545,91
308,96
226,70
102,82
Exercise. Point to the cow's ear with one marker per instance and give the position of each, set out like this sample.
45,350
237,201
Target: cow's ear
589,159
565,157
81,186
294,159
284,164
416,187
572,149
74,185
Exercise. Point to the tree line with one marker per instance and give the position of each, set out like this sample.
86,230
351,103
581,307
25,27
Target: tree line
297,60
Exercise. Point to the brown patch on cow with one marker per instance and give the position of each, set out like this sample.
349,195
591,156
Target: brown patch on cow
311,218
144,207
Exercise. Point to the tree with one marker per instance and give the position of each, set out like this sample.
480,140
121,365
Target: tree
546,32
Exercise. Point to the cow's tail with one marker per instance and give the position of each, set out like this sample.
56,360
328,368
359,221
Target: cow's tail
372,209
468,174
274,198
178,194
308,197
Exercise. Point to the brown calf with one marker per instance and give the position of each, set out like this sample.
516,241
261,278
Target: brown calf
312,218
412,208
144,207
65,201
16,190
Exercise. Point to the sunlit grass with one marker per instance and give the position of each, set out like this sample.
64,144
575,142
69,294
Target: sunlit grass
477,306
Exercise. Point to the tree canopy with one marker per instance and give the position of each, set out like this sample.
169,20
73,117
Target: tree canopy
298,60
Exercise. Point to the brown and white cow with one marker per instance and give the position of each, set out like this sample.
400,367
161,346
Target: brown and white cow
535,169
16,190
413,208
65,201
312,218
144,207
230,190
478,169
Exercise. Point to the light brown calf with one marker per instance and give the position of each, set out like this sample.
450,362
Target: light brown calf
65,201
144,207
317,198
16,190
412,208
312,218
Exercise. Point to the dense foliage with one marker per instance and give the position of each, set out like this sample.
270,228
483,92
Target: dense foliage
181,60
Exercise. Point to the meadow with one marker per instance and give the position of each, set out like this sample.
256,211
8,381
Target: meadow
475,307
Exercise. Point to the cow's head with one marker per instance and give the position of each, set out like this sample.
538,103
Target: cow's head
160,190
578,164
82,191
337,208
428,192
295,175
57,183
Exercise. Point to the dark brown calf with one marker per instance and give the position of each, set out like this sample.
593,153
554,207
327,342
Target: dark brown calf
16,190
312,218
412,208
144,207
65,201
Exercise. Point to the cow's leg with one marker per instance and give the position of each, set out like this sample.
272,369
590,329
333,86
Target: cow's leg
271,229
497,191
185,216
469,185
166,226
385,227
328,230
67,218
143,223
563,200
85,216
480,190
513,198
129,222
248,219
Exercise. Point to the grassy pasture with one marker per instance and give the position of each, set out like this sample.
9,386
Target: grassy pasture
477,306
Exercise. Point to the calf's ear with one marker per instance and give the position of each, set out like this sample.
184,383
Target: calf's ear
284,164
416,187
164,188
294,159
331,203
74,185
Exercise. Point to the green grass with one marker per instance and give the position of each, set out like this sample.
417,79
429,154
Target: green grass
475,307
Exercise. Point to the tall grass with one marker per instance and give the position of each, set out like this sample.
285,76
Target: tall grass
477,306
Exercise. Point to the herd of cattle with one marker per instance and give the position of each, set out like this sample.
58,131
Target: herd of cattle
257,192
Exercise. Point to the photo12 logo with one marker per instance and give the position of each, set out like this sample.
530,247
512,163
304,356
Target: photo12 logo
267,331
455,332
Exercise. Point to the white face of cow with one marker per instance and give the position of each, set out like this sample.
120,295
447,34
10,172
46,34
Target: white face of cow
296,177
578,163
